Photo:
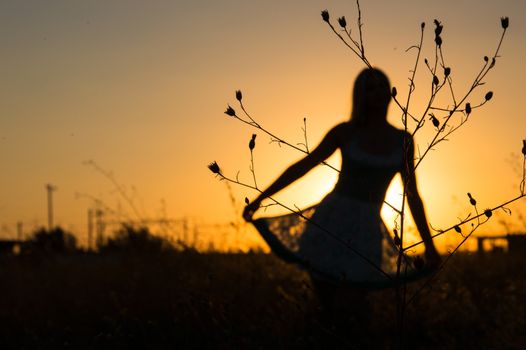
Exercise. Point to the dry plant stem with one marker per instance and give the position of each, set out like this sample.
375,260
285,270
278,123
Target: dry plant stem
251,122
477,82
360,50
523,181
117,186
304,129
360,24
256,125
252,169
400,295
449,79
100,203
477,217
430,280
298,212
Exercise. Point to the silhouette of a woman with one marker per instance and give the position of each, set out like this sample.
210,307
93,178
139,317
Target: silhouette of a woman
373,151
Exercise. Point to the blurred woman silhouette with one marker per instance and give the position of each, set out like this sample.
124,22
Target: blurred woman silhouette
344,241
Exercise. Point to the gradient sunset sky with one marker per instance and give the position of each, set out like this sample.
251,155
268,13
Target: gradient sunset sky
140,88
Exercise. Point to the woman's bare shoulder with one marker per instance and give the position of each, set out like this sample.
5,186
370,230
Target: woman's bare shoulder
342,132
342,129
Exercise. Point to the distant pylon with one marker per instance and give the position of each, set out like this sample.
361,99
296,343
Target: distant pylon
19,230
50,188
90,229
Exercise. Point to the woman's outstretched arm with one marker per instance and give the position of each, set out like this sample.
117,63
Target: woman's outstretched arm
416,205
328,145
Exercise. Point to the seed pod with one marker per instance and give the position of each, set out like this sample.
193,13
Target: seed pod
214,168
458,229
504,22
325,15
438,41
342,22
435,80
468,108
230,111
447,71
423,25
472,200
435,121
239,95
394,92
488,96
252,142
488,213
486,59
524,148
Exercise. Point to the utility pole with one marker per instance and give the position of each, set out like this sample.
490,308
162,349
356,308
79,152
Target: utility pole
90,229
50,189
19,230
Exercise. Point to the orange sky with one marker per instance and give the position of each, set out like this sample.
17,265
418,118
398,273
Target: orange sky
140,88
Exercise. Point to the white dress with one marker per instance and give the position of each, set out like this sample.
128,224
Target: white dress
343,238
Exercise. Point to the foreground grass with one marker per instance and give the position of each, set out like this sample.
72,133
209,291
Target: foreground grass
191,300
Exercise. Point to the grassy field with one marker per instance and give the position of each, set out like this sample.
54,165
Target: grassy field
185,299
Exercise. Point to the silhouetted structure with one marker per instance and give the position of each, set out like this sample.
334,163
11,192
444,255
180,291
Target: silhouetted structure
516,242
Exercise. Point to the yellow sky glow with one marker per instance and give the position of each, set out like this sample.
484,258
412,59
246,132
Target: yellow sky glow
140,88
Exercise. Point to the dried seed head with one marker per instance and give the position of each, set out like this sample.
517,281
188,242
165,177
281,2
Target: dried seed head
524,148
438,29
486,59
488,213
468,108
458,229
214,168
472,200
435,80
488,96
423,25
504,22
438,41
342,22
394,92
325,15
447,71
252,142
425,61
230,111
435,121
239,95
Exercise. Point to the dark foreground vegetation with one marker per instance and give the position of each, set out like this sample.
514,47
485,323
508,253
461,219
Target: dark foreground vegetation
160,297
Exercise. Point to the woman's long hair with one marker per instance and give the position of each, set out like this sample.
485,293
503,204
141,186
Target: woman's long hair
371,96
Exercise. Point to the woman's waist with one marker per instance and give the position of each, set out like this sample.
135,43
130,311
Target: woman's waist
372,196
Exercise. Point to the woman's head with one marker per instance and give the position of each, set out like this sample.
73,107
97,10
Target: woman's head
371,96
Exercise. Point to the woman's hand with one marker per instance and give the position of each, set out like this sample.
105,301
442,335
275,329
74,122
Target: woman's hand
250,209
